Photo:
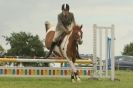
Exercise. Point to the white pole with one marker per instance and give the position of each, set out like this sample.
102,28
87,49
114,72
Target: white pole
95,49
106,52
100,52
112,54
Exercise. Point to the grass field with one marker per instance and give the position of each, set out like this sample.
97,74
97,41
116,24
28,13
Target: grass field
126,81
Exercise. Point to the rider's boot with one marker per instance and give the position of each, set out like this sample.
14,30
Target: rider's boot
51,49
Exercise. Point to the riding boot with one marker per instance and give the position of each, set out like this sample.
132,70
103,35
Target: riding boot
51,49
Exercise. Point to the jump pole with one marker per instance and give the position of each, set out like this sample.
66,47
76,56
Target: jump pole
41,60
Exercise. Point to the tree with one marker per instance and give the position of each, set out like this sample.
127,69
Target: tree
2,51
128,49
1,48
24,44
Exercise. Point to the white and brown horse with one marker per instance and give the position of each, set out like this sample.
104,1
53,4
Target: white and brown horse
68,46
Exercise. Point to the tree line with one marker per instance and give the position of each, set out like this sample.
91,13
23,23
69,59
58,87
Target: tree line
24,44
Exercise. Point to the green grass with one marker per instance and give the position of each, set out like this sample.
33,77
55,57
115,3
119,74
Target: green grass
126,81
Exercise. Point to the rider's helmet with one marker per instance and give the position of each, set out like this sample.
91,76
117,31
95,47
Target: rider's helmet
65,7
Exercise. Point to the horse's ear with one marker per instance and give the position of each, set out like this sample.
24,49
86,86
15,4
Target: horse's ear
81,26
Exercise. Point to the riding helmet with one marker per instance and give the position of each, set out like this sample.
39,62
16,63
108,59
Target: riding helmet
65,7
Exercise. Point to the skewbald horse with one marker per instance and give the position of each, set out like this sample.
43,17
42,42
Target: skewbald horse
67,48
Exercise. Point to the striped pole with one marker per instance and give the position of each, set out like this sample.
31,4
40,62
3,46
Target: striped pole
43,71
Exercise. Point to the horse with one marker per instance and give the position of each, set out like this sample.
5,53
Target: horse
67,48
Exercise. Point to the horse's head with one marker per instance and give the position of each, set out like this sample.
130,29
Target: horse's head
78,34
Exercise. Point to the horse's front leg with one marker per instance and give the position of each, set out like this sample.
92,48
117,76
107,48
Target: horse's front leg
74,74
75,77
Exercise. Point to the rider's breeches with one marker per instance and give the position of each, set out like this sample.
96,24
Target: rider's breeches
57,35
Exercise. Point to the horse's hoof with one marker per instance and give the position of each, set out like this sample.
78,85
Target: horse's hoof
73,81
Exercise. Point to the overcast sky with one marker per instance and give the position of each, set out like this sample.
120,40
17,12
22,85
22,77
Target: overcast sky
30,15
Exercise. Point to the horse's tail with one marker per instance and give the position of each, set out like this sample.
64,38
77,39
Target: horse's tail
47,25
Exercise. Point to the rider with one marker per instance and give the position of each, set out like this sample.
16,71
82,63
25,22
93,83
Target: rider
65,19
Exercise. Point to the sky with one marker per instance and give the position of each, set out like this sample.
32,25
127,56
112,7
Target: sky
30,16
